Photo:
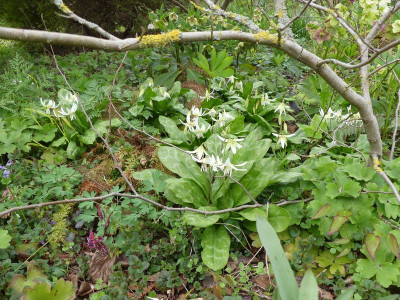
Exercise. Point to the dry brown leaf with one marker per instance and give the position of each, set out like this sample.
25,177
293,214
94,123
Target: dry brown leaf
325,295
262,281
100,267
85,288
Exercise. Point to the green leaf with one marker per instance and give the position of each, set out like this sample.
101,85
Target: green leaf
337,222
386,273
359,171
200,220
287,285
309,287
347,294
372,243
182,164
171,129
63,290
393,245
322,212
187,191
216,243
19,282
5,239
278,217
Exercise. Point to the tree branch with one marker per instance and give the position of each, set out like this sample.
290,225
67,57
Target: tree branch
69,14
378,25
378,169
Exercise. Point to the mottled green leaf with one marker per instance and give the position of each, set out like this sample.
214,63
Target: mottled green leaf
200,220
187,191
216,244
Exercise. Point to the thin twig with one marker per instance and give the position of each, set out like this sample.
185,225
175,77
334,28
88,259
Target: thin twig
282,28
389,223
241,185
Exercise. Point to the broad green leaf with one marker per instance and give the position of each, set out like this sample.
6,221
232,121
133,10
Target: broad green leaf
386,273
73,150
372,243
322,212
216,244
332,190
5,239
278,217
200,220
287,285
182,164
19,282
187,191
154,176
171,128
255,181
359,171
309,287
63,290
252,214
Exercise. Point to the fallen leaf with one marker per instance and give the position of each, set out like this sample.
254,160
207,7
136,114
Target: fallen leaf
100,267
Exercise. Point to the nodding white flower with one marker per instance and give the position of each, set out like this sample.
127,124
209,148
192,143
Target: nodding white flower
199,153
212,112
265,100
49,105
151,82
222,118
282,138
210,161
164,93
199,130
239,85
173,16
231,144
190,124
193,21
282,107
207,96
151,27
231,79
196,112
69,111
228,167
72,98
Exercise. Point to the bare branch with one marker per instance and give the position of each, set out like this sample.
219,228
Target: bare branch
137,196
297,16
378,169
69,14
396,120
216,10
281,13
378,25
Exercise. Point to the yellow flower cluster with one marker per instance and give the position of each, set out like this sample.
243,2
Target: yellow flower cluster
160,39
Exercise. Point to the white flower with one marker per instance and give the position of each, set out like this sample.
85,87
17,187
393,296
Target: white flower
199,130
212,112
239,85
164,93
265,100
192,20
210,161
228,167
282,138
231,79
49,105
199,153
207,96
282,107
151,27
69,111
231,144
222,118
173,16
196,112
190,124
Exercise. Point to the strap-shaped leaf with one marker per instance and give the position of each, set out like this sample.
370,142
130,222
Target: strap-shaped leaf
309,287
287,285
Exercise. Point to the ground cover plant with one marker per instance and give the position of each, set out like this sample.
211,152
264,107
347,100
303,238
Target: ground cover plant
232,150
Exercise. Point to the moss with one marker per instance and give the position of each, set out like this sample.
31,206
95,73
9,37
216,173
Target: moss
263,35
160,39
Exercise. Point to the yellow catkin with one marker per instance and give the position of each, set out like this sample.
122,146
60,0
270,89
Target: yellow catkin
377,164
263,35
160,39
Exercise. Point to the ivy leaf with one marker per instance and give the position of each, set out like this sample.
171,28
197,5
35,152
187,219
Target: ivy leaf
216,243
372,243
5,239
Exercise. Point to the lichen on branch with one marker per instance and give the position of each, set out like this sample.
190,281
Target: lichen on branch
263,35
160,39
